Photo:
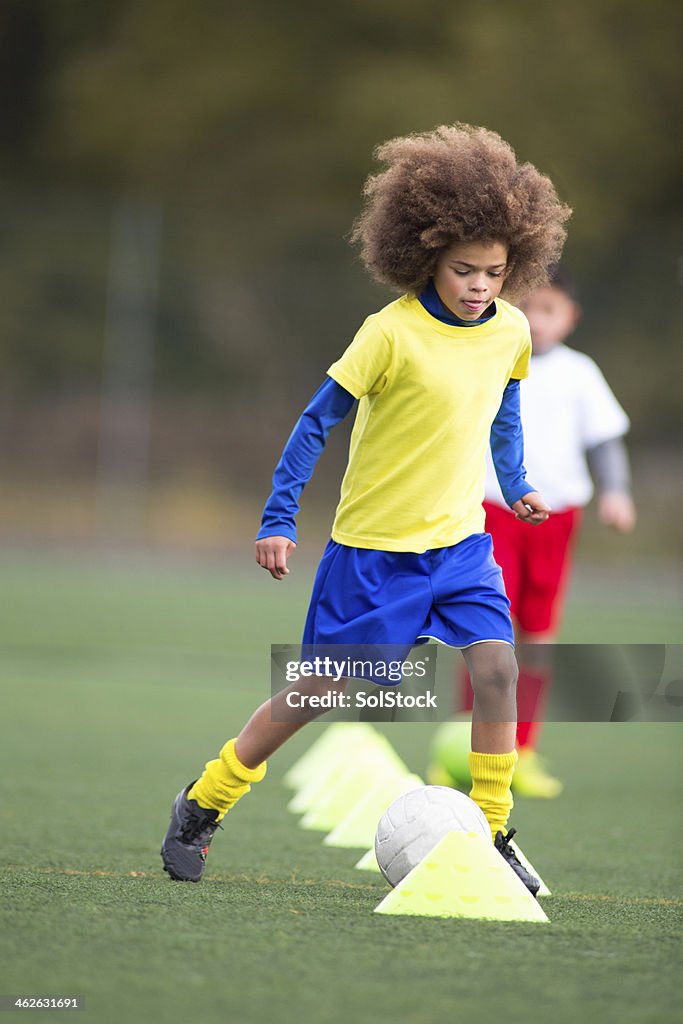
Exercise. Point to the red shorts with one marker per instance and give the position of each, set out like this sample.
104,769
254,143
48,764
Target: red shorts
535,563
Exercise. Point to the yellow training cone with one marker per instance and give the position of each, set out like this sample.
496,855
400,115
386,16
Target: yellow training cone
368,862
358,827
332,740
369,765
327,772
464,876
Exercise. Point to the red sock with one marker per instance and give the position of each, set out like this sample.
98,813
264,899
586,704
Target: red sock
532,688
466,693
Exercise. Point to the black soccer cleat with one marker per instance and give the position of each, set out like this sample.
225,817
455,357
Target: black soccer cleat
187,841
502,844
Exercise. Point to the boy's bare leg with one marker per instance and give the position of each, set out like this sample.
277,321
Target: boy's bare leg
493,671
199,807
268,728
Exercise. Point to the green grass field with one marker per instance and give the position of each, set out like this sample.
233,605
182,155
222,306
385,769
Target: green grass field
119,679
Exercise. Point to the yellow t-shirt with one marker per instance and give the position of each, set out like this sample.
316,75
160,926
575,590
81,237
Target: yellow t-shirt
428,394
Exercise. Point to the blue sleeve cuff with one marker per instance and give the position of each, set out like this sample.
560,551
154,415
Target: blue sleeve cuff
511,496
277,528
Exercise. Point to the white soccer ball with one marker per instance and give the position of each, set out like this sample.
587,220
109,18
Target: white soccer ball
412,826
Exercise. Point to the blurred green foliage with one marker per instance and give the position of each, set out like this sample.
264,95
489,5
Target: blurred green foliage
254,126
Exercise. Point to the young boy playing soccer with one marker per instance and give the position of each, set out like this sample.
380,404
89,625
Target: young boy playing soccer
571,422
450,221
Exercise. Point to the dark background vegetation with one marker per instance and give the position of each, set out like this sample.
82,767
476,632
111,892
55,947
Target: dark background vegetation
244,134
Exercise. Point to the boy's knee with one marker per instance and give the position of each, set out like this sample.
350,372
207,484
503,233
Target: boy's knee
496,675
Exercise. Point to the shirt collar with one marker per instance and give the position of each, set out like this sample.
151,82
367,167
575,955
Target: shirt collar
432,303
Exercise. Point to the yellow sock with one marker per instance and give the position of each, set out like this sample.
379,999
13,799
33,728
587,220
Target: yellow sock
224,781
491,778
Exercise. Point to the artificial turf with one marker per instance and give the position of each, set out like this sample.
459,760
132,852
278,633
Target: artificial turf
119,679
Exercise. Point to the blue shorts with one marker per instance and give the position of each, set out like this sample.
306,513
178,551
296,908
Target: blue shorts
454,595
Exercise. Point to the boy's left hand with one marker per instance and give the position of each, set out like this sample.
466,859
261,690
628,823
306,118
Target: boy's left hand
531,509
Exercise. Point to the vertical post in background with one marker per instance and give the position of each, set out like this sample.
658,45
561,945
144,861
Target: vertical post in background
128,361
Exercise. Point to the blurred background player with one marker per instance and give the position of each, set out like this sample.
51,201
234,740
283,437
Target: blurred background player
573,428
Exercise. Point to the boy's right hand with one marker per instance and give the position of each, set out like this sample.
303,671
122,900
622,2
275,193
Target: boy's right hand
531,509
272,554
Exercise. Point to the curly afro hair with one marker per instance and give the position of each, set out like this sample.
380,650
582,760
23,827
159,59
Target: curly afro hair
458,183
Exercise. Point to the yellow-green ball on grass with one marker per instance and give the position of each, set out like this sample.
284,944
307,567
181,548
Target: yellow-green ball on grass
450,750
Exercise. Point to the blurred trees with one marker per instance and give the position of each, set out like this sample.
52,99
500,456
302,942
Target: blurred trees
267,103
254,126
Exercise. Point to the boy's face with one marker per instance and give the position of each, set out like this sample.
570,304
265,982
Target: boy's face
552,316
469,276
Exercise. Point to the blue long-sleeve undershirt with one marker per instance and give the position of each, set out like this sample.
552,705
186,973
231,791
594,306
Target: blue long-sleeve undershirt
431,300
331,403
507,446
